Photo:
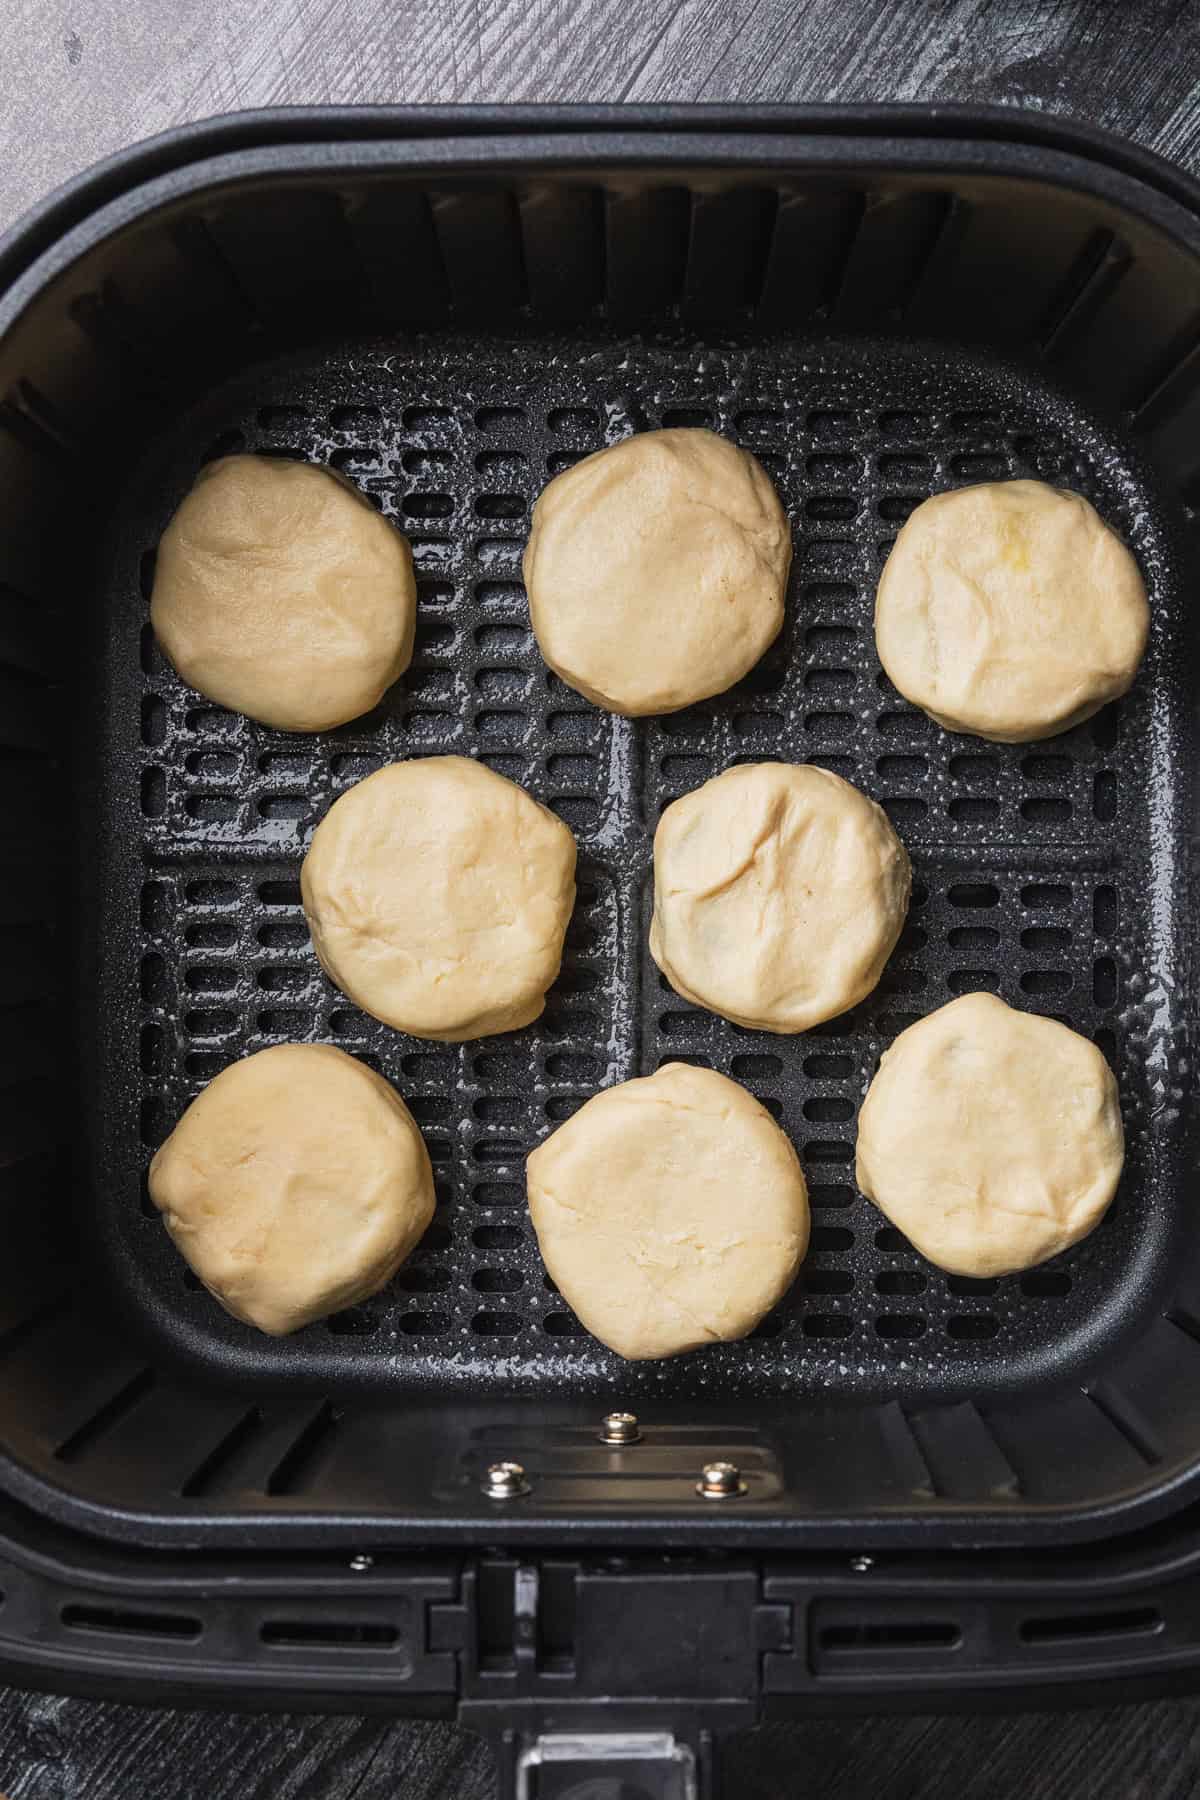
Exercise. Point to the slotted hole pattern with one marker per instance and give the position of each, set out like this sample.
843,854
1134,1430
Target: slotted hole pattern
227,809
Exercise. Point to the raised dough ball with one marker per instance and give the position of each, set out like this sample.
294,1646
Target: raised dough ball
671,1212
295,1184
438,894
280,592
991,1138
656,570
1010,610
779,893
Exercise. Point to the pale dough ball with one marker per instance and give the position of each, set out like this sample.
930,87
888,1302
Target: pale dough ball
656,570
438,894
295,1184
779,893
991,1138
1010,610
280,592
670,1212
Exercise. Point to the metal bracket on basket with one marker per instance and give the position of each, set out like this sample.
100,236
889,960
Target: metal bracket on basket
564,1765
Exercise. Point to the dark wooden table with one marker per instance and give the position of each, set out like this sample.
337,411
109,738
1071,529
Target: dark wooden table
80,80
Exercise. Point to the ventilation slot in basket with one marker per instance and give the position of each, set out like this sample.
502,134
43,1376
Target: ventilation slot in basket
1082,1627
73,1448
333,1634
289,1474
921,1634
126,1623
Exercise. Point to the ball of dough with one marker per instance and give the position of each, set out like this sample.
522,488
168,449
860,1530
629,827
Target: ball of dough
280,592
671,1212
991,1138
295,1185
656,570
1010,610
438,895
779,893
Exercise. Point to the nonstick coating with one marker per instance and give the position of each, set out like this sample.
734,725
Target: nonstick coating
1050,873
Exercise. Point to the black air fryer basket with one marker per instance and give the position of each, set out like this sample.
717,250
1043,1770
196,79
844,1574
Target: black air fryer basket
950,1487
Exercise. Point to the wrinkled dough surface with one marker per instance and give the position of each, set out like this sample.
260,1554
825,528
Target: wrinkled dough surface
437,894
779,893
656,570
1010,610
295,1184
671,1212
990,1137
280,592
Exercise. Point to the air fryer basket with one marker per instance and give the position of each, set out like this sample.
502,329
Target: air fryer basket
449,313
1017,887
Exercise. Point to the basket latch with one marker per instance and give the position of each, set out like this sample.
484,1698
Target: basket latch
611,1674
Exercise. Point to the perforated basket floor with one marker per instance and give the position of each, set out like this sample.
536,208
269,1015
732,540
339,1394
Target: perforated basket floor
1045,872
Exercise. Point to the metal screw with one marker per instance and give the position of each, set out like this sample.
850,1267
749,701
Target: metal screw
505,1481
362,1562
620,1428
720,1481
862,1565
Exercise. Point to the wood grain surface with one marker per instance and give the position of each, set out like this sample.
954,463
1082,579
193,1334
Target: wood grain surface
54,1749
82,78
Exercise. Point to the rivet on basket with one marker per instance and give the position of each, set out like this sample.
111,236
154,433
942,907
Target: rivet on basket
720,1481
620,1428
505,1481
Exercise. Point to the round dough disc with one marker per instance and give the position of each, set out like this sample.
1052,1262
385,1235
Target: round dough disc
1010,610
990,1137
656,570
280,592
438,894
295,1184
779,893
671,1212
